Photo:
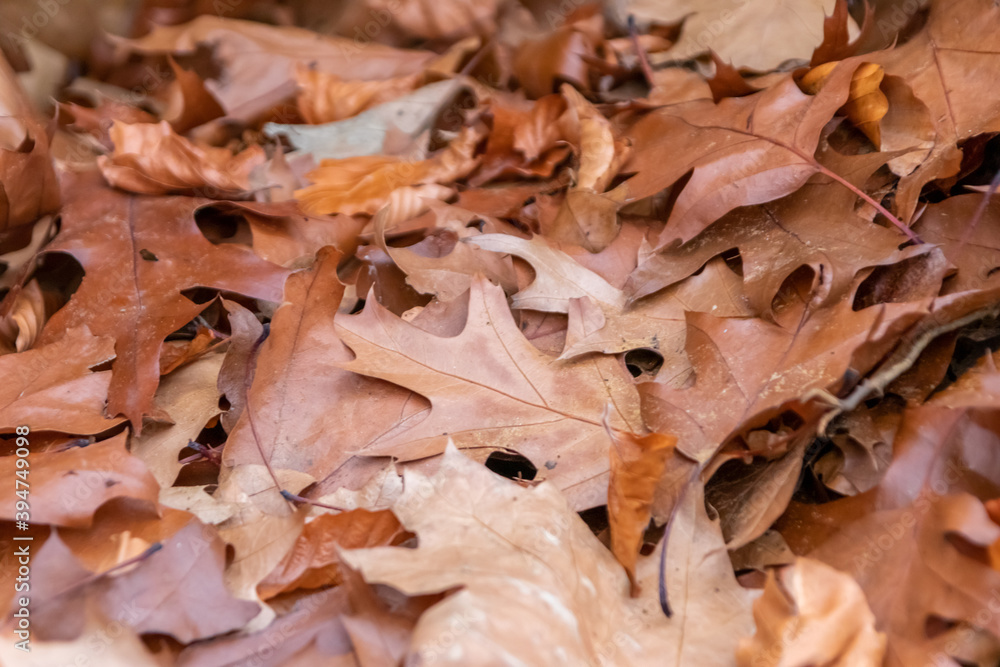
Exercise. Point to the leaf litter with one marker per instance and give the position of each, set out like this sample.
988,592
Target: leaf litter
504,333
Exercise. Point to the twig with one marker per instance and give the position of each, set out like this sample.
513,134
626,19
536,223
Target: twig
647,70
292,497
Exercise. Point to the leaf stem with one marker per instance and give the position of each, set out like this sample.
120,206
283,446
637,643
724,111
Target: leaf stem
878,207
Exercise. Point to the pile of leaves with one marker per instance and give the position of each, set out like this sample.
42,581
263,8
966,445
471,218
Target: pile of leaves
463,332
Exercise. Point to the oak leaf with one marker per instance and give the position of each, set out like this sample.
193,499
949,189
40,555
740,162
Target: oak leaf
152,159
812,614
490,389
68,486
521,556
258,60
743,150
141,252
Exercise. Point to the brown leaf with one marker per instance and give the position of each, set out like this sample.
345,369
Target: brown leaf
636,467
258,59
301,411
28,185
756,369
314,563
154,160
190,104
935,64
775,239
812,614
491,390
743,151
866,105
177,591
756,34
191,398
53,388
600,319
107,232
68,486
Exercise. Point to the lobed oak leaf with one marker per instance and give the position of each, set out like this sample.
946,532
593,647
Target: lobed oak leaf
491,390
68,486
139,253
756,369
818,226
301,410
600,318
152,159
520,557
441,264
743,150
53,388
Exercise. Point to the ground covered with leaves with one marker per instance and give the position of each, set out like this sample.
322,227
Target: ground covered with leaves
487,332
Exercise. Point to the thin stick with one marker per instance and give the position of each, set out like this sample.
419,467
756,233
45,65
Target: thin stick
878,207
978,215
647,70
288,495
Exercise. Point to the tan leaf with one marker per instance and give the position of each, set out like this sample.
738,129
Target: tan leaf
364,184
520,557
812,614
490,389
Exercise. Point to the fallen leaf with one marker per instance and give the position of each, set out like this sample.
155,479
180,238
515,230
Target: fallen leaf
743,150
68,486
364,184
259,59
756,34
153,160
636,468
812,614
541,408
108,232
49,394
540,561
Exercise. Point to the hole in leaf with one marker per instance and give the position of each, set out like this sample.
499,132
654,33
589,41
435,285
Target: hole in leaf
511,465
643,361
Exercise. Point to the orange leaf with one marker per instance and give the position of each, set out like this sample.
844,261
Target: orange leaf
637,464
